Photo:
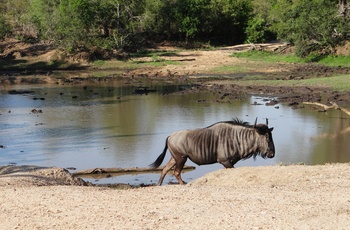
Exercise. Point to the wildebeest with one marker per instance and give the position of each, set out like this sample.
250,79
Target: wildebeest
223,142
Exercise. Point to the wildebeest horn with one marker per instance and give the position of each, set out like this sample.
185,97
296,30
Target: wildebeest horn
267,122
256,119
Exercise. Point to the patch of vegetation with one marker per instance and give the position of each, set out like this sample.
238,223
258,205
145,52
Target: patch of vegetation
113,65
99,63
336,61
5,27
150,53
339,83
156,58
267,56
20,65
271,57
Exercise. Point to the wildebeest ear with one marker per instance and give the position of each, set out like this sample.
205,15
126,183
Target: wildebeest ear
270,129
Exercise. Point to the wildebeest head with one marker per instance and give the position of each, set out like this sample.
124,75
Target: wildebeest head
267,147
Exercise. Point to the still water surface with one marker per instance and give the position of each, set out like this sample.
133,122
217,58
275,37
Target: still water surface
110,126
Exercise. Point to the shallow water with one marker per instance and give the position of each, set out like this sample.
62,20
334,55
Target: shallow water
110,126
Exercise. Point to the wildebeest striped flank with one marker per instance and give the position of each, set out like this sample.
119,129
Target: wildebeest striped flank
223,142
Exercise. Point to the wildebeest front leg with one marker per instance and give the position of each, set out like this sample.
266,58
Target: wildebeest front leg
166,169
227,164
178,168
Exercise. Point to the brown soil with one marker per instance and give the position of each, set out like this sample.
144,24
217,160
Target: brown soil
199,65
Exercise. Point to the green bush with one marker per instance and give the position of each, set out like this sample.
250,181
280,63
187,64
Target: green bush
75,25
5,28
256,30
310,25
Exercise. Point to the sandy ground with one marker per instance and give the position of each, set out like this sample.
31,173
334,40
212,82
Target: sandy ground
272,197
201,63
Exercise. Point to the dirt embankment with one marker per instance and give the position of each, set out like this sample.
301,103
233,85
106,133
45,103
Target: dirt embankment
28,175
272,197
198,67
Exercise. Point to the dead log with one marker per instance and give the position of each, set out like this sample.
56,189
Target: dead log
123,171
345,111
327,107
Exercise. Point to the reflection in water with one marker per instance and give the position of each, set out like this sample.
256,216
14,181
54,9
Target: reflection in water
332,142
109,126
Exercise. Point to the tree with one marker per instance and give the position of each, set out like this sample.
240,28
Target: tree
14,15
259,26
219,21
91,25
227,20
70,30
5,28
42,18
177,17
310,25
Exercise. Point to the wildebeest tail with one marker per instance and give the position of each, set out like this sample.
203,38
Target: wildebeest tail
160,159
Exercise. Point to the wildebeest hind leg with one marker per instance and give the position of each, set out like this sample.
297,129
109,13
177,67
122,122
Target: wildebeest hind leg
166,169
178,168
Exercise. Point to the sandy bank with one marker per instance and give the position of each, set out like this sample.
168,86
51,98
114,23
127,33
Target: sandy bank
273,197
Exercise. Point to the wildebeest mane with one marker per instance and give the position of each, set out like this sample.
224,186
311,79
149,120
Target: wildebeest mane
235,121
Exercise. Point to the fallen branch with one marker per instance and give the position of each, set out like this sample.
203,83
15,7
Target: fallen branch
123,170
325,107
345,111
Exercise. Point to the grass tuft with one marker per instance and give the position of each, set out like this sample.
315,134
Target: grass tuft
267,56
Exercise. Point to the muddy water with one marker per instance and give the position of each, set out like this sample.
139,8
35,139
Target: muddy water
111,126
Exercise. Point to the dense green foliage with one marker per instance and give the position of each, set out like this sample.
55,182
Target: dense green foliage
101,26
310,25
5,27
